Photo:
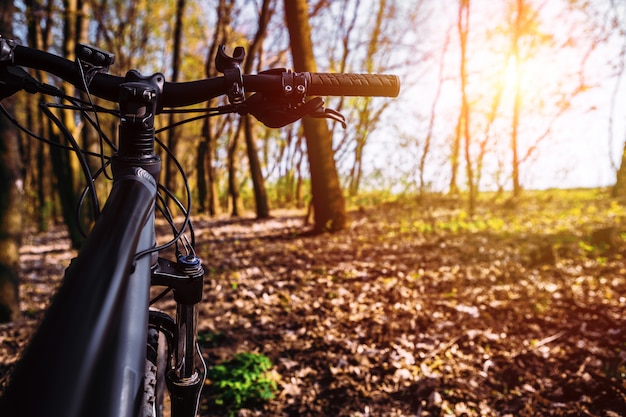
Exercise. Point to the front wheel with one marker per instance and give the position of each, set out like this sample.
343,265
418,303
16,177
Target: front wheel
154,379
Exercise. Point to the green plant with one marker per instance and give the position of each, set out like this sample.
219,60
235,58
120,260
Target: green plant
243,381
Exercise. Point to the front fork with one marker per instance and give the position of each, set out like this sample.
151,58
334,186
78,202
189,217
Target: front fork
184,378
140,101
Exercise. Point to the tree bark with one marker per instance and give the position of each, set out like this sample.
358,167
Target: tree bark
63,163
233,187
10,198
258,184
207,177
517,100
327,198
39,26
619,189
464,116
202,173
170,167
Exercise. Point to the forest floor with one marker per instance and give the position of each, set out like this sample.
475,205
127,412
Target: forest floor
415,310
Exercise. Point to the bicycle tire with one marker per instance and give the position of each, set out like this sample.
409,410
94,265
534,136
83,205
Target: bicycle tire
154,378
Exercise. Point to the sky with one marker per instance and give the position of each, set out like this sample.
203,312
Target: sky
579,150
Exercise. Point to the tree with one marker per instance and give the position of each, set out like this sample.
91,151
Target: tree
36,154
615,20
431,119
517,79
517,99
212,127
463,124
10,198
127,29
74,31
530,37
260,196
360,36
327,197
368,115
233,164
170,169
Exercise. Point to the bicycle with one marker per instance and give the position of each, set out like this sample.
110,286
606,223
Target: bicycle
103,350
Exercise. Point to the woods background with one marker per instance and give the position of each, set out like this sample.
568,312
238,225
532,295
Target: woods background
493,98
485,90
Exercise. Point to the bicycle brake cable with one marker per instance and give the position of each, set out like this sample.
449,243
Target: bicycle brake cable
186,211
82,161
83,77
210,112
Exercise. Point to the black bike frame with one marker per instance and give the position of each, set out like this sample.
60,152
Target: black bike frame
92,341
90,350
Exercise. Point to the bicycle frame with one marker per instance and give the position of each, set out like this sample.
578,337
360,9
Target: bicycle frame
97,322
95,331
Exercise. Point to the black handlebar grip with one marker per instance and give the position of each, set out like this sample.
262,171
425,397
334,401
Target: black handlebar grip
366,85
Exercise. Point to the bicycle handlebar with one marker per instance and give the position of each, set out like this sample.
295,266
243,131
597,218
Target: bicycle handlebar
192,92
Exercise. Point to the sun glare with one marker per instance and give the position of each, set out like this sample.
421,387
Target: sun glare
536,80
540,106
510,76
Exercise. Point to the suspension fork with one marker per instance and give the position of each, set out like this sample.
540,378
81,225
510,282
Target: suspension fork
184,379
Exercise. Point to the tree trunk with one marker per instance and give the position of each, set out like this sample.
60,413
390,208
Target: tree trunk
327,197
170,167
619,189
207,178
201,174
39,36
64,184
233,187
10,198
431,120
11,215
258,184
206,175
454,160
517,100
464,117
62,162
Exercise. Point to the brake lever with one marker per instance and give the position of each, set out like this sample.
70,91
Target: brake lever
14,79
276,114
331,114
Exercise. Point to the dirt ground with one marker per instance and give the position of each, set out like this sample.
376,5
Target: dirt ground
412,311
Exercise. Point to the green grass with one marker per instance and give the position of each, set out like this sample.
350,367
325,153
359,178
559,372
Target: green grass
241,382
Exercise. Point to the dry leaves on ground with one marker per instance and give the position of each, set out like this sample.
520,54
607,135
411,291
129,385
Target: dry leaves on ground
392,318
